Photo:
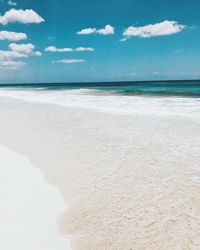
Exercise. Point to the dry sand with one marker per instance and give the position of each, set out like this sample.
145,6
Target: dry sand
132,181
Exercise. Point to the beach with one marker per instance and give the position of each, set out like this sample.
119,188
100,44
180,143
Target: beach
130,178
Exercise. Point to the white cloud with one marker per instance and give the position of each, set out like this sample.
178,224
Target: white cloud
11,64
20,16
26,49
22,48
12,3
12,36
8,57
107,30
69,61
84,49
37,53
54,49
79,49
159,29
87,31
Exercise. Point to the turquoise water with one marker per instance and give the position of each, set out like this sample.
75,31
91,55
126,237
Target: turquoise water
158,88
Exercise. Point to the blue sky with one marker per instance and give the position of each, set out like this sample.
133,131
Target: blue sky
85,40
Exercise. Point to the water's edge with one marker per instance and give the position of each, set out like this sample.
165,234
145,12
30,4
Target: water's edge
29,206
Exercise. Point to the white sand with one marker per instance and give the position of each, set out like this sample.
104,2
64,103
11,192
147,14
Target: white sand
29,207
132,181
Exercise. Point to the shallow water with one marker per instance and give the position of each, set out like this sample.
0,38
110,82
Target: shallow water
29,207
187,88
109,101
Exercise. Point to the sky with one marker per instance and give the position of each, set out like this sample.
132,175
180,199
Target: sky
88,40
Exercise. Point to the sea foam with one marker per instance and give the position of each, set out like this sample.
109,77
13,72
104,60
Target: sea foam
109,102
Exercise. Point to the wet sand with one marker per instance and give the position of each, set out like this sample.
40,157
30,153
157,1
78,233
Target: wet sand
131,181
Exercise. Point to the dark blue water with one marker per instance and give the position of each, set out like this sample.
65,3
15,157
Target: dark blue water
158,88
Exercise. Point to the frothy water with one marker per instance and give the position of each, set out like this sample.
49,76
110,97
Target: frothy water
29,207
109,101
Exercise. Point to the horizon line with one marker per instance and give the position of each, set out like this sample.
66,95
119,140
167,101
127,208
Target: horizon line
101,83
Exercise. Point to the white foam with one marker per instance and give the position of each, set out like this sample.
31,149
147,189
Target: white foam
97,100
29,207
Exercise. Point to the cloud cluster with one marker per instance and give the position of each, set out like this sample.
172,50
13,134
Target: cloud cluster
26,49
69,61
159,29
12,36
79,49
8,57
11,64
20,16
107,30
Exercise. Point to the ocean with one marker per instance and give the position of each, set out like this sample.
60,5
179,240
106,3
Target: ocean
190,88
155,97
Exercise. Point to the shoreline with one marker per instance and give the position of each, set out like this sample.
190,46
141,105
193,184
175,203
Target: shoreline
86,100
131,181
25,198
